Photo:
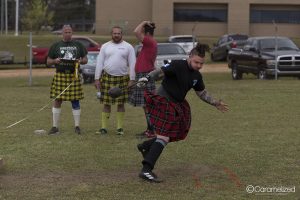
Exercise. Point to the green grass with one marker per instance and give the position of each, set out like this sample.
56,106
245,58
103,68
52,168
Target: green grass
255,143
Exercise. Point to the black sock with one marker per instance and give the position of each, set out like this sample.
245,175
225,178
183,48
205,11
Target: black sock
153,155
147,144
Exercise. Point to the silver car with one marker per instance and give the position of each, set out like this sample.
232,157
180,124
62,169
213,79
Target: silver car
166,51
187,42
87,71
6,57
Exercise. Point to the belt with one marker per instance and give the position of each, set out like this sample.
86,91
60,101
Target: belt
66,71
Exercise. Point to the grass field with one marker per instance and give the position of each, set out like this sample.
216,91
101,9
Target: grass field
255,143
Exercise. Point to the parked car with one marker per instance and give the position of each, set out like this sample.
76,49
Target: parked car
6,57
185,41
40,54
220,50
166,51
259,57
87,71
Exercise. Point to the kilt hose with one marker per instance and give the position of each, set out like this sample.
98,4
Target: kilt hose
108,81
168,119
136,94
60,82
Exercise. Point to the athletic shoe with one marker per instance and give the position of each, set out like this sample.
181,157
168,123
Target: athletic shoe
120,131
142,150
53,131
77,130
150,177
102,131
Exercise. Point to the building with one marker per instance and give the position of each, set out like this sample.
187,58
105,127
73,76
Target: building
206,18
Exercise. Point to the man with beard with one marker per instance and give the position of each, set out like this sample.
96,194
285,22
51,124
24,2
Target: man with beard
115,57
169,111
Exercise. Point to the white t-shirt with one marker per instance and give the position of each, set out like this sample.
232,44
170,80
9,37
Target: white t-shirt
115,58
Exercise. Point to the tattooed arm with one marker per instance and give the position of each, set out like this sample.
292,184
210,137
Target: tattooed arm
219,104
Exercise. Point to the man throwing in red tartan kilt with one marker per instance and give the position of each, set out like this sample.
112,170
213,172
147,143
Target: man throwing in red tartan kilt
169,111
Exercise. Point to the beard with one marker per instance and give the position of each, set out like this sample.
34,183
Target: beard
117,39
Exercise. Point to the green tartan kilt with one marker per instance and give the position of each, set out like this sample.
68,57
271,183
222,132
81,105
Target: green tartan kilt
108,81
60,82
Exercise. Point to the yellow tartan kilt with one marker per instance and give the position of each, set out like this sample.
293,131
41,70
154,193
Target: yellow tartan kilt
60,82
108,81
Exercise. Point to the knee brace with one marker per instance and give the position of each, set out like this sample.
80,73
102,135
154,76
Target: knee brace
75,104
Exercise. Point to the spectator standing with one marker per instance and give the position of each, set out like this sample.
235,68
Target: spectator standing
115,68
66,55
145,63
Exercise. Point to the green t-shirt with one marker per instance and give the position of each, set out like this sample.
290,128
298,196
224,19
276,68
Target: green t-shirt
68,52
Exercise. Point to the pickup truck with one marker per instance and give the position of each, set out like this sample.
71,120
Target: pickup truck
40,54
220,50
259,57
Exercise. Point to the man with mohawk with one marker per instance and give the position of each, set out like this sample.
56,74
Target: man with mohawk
169,112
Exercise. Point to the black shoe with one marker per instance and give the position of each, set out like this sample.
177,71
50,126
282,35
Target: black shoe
150,177
53,131
77,130
102,131
120,131
142,150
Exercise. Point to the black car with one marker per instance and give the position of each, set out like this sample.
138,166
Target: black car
264,56
87,71
225,43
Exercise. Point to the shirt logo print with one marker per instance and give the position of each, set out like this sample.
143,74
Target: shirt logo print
195,82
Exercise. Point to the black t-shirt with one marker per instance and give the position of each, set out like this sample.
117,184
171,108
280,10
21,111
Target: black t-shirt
68,51
180,78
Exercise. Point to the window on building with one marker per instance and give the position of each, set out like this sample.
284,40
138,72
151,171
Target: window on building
200,15
279,16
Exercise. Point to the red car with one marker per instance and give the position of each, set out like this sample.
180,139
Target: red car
40,54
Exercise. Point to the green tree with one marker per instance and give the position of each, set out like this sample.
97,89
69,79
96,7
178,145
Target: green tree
37,15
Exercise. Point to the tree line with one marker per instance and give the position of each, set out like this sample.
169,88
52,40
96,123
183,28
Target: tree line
54,13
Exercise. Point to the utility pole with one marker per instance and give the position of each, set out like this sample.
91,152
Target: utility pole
193,34
276,49
2,16
6,18
17,18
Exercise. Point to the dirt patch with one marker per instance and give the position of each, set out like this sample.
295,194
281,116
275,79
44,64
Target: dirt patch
215,68
26,72
208,68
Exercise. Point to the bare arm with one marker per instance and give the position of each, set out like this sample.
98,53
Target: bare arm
139,30
155,74
219,104
83,60
54,61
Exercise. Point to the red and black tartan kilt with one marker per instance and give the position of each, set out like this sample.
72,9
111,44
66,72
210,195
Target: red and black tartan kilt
168,119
